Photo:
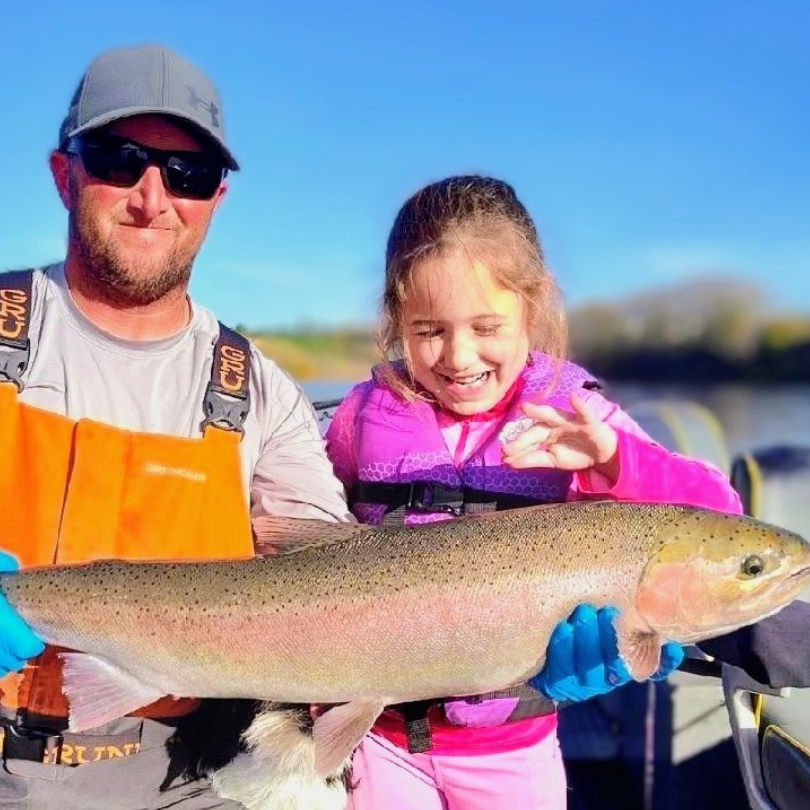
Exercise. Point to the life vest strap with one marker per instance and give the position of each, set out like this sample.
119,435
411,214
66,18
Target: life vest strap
417,725
531,703
428,497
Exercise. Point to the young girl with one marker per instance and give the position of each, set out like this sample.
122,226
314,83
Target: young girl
481,411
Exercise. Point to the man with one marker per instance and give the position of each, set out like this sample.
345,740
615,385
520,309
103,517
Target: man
132,424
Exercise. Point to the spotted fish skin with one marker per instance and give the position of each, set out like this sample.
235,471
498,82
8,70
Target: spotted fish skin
390,615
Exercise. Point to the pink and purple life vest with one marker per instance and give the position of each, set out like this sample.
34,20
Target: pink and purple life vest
398,442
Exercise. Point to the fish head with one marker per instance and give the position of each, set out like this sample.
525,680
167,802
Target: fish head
714,572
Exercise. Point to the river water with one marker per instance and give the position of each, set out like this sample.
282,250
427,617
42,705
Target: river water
752,418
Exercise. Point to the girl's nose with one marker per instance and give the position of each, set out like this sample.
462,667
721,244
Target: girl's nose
460,352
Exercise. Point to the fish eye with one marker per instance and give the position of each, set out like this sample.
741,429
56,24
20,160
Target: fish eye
752,566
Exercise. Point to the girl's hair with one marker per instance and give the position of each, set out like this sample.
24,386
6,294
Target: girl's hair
481,219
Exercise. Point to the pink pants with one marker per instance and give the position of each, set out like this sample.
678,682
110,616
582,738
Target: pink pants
386,777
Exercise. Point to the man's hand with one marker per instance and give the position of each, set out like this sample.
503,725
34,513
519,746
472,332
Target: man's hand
18,643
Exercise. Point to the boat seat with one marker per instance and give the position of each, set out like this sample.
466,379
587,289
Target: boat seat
771,729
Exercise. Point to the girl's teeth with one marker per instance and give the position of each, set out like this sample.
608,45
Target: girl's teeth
469,381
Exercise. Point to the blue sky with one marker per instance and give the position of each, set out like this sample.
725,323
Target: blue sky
652,142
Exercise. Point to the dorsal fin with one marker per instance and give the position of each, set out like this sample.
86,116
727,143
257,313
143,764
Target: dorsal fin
282,535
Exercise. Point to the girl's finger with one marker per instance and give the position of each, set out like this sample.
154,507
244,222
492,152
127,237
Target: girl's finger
546,415
583,410
531,438
535,458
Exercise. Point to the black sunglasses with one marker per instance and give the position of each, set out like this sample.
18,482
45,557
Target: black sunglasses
120,162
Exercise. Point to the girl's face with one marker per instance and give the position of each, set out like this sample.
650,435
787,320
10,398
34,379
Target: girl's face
466,336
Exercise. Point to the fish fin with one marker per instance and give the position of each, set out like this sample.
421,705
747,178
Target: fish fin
281,535
98,692
639,649
340,730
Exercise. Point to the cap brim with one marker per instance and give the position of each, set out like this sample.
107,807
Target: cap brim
102,120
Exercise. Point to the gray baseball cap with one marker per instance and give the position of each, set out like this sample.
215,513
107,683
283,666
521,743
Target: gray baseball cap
146,79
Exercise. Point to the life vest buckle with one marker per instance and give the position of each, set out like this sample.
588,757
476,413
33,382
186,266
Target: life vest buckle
422,497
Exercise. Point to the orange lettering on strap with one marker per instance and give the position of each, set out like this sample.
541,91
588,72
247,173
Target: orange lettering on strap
232,368
12,313
51,755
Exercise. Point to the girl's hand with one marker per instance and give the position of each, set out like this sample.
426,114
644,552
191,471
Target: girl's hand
564,441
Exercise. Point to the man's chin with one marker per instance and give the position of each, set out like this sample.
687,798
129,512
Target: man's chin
140,237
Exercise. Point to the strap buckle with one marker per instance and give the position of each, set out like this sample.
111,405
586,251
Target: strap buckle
14,357
425,496
29,743
225,411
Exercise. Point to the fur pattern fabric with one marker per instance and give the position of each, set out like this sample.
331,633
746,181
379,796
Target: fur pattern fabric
276,771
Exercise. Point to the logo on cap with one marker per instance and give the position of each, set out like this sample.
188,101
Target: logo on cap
208,106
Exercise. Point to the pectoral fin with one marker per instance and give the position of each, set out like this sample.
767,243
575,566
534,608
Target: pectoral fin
339,731
99,692
640,650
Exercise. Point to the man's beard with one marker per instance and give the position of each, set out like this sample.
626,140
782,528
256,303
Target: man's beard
135,281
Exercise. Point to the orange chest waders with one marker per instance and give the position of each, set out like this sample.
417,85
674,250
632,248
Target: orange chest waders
75,491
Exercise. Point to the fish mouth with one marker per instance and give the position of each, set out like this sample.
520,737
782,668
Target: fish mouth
788,587
802,573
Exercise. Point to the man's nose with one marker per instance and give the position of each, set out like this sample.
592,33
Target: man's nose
149,197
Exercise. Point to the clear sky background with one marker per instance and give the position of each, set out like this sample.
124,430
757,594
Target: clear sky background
653,142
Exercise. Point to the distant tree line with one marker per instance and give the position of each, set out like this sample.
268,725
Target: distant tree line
707,331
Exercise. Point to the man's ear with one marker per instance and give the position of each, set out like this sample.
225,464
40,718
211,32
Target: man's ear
60,169
220,195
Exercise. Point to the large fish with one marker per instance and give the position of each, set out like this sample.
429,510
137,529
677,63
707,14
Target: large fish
368,617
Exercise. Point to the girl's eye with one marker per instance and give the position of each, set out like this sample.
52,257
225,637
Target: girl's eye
489,329
428,333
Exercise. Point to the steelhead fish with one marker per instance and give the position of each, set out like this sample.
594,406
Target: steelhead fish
367,617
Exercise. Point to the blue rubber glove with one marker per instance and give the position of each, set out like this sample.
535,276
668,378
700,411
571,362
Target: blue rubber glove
583,661
18,643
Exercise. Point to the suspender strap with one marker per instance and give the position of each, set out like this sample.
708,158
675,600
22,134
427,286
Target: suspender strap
227,397
15,316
